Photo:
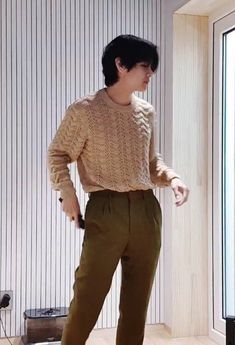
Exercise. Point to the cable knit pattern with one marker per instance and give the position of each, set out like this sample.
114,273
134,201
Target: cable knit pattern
113,145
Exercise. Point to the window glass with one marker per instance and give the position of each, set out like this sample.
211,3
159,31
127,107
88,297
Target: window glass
228,173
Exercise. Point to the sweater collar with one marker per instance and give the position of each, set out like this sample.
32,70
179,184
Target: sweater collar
126,108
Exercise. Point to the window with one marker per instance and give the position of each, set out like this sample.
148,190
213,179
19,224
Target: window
228,172
224,170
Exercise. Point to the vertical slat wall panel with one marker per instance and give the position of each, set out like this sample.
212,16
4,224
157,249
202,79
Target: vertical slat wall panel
50,55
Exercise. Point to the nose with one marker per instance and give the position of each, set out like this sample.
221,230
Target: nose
149,72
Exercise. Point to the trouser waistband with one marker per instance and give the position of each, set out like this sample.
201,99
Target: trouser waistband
132,194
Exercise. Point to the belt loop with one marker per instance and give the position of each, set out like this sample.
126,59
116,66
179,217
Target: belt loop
143,194
109,194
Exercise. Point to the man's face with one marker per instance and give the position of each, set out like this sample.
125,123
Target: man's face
139,76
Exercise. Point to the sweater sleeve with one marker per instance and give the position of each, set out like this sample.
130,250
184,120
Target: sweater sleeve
66,147
161,175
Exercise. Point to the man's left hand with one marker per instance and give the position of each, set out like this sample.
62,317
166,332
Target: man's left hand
180,190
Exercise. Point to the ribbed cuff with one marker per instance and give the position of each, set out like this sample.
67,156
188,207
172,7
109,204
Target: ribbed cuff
67,191
170,176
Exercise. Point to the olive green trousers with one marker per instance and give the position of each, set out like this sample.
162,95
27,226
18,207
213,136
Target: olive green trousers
122,226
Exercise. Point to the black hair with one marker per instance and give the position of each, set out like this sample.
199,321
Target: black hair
131,50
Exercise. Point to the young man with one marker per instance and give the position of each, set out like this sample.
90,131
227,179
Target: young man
110,134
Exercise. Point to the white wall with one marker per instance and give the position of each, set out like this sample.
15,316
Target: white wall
51,54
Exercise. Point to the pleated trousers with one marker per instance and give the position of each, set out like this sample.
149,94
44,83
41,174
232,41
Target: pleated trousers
122,226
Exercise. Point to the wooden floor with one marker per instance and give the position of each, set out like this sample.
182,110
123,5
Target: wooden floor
154,335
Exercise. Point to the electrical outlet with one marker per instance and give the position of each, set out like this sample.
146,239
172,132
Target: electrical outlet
10,293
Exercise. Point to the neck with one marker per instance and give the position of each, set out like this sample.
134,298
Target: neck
119,94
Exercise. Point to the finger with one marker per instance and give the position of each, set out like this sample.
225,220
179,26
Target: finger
185,194
77,221
179,199
178,195
182,201
179,203
176,190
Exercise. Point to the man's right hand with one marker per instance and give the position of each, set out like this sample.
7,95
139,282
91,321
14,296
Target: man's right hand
71,207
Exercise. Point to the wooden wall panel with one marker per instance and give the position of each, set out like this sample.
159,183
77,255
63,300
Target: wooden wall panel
190,137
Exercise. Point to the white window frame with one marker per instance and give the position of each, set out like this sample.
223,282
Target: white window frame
218,24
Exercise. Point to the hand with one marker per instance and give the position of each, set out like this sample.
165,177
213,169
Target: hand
180,190
71,207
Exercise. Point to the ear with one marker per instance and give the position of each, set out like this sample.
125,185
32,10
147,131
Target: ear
119,65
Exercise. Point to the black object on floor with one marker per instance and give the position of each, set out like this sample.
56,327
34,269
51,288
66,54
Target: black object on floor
44,325
230,330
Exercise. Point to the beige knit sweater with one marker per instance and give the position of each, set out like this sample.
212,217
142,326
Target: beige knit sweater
112,144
